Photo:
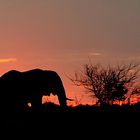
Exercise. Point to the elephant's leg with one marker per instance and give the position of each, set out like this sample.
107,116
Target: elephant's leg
20,104
36,103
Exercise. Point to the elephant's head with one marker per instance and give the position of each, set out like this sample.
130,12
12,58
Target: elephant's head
57,88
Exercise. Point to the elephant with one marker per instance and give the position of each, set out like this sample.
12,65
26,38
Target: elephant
20,88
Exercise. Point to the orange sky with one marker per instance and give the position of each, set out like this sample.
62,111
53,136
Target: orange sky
62,35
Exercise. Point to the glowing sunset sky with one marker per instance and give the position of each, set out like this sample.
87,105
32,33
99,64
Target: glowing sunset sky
62,34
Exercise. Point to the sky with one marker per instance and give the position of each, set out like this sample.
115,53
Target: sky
62,35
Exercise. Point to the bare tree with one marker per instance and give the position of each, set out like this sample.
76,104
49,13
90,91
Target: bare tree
133,92
107,84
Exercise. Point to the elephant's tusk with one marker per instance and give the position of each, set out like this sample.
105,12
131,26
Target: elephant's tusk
69,99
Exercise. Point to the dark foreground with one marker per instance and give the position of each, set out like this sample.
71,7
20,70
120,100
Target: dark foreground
52,117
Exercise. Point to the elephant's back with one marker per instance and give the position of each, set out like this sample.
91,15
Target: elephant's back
33,72
40,79
30,74
39,74
31,78
11,75
33,75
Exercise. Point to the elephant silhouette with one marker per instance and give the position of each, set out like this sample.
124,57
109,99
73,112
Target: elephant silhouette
19,88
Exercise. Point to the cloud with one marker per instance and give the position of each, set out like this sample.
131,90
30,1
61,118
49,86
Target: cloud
138,57
7,60
133,58
95,54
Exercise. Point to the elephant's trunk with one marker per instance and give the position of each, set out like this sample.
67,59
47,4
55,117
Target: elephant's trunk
60,91
62,99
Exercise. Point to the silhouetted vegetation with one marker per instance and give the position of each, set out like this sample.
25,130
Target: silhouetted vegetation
108,84
50,107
